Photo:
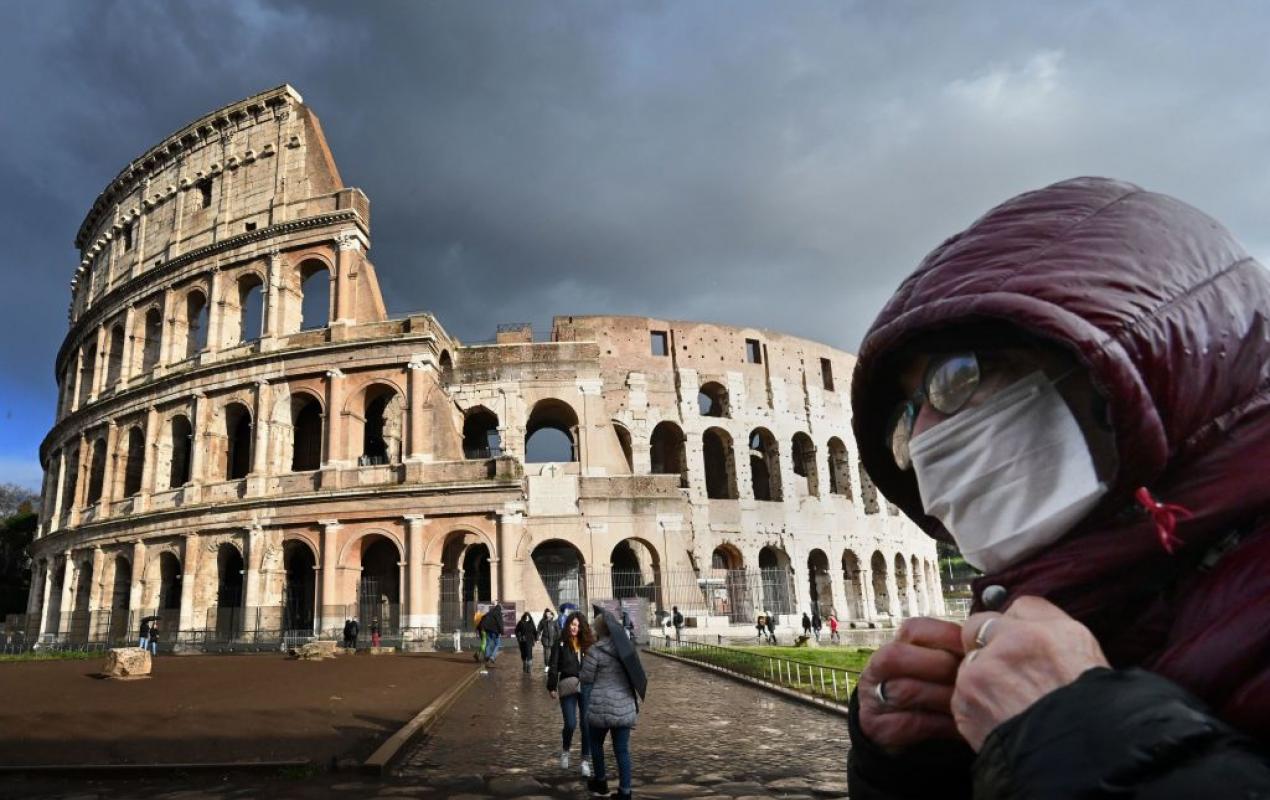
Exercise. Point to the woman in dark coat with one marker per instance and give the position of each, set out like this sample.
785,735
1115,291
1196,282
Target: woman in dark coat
526,635
612,708
1076,390
563,670
548,635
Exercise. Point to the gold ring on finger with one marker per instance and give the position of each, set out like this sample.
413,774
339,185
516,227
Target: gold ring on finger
981,638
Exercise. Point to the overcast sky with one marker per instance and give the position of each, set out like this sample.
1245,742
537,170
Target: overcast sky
781,165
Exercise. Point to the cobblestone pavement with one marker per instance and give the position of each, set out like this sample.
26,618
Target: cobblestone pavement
699,735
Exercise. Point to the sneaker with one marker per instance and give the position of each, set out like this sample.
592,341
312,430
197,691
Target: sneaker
598,788
564,759
586,768
623,795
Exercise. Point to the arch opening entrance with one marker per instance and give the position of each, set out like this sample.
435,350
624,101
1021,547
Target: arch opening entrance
839,468
716,452
466,579
481,438
135,465
299,589
227,614
667,455
562,571
819,583
181,436
379,589
552,433
853,589
237,441
765,472
168,602
804,455
381,431
77,630
306,433
636,572
120,597
881,600
776,580
315,295
729,587
903,591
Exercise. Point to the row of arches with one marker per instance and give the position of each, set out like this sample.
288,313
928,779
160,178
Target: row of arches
137,341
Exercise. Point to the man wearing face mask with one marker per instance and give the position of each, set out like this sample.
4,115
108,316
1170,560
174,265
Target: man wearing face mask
1076,390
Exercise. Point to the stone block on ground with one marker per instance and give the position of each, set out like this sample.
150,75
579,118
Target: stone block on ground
314,651
379,651
127,662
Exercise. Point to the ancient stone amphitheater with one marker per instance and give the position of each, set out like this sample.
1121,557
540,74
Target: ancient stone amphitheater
249,447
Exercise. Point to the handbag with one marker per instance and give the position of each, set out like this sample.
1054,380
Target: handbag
568,686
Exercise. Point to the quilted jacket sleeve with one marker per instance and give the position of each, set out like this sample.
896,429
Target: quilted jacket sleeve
935,769
1126,733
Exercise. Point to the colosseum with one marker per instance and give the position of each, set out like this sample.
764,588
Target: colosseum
249,447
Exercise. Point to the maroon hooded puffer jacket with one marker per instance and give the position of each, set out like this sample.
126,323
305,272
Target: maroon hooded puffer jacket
1170,316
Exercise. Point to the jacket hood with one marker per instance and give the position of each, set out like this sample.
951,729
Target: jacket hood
1154,297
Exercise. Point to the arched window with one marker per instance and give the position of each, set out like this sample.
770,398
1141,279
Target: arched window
712,400
315,295
765,470
237,441
135,464
306,433
181,436
114,367
87,369
195,323
868,492
804,454
624,441
552,433
250,307
97,471
881,601
381,432
666,452
839,468
716,451
480,434
70,480
152,337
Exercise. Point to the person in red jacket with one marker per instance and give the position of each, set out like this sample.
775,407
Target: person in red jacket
1076,390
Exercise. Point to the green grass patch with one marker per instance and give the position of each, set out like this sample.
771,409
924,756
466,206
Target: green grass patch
53,655
804,676
848,658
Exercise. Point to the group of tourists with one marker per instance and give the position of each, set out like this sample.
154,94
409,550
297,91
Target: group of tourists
149,638
353,629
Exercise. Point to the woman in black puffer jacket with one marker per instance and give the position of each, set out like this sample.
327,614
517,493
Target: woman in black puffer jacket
563,670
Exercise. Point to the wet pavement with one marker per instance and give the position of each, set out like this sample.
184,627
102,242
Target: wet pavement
699,735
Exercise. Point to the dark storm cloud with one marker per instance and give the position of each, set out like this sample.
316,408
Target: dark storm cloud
780,165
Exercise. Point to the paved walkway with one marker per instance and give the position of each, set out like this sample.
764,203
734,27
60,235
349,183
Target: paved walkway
699,735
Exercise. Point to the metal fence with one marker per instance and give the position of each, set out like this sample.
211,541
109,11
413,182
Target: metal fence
817,680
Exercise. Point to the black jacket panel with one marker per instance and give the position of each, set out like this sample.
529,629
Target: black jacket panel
936,769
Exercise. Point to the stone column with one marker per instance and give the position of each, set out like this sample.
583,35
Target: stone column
167,330
215,313
99,368
55,517
198,447
81,471
331,614
129,346
95,591
511,526
49,566
251,574
273,296
419,367
414,570
136,592
35,597
865,577
892,593
68,593
334,419
592,408
741,466
77,380
189,574
256,481
837,589
348,251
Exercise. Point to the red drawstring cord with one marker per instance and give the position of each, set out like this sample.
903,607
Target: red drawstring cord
1165,516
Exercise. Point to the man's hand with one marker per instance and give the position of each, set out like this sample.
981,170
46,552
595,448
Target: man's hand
1013,660
554,695
917,671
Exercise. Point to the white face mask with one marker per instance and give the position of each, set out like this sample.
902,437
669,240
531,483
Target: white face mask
1009,477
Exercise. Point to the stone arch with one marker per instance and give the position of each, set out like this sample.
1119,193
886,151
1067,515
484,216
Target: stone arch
881,598
853,589
225,607
839,468
903,590
467,576
561,567
624,441
446,364
356,545
868,492
712,400
377,417
765,469
244,318
380,557
635,571
96,471
541,446
720,464
178,449
731,595
70,479
78,622
299,583
921,603
820,585
87,369
232,459
667,452
193,323
134,462
803,452
147,340
776,580
315,288
481,437
114,363
307,416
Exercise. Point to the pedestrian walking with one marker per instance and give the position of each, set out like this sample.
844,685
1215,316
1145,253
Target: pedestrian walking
144,639
492,625
612,710
816,624
348,634
526,635
479,654
374,633
771,628
760,625
806,625
833,628
628,624
563,670
677,620
548,635
355,631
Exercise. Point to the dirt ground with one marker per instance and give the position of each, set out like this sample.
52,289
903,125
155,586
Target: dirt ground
200,709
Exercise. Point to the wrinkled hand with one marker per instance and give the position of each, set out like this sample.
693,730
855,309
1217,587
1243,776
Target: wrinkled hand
919,668
554,695
1027,652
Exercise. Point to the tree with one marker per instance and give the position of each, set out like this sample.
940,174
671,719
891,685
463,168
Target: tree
18,521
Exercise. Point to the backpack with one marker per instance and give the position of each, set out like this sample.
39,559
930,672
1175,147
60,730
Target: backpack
679,620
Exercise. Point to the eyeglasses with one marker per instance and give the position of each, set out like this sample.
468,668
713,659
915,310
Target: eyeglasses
948,385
